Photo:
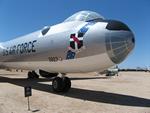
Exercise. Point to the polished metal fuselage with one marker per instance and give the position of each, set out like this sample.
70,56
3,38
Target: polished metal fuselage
49,52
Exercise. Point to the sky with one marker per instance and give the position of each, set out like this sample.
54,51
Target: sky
20,17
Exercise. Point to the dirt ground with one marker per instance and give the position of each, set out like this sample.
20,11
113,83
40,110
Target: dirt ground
127,93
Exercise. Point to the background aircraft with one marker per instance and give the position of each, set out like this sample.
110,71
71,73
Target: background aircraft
84,42
112,71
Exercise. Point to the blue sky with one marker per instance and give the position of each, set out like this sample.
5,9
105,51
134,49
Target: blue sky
19,17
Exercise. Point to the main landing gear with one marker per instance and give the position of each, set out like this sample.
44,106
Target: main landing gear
32,75
59,83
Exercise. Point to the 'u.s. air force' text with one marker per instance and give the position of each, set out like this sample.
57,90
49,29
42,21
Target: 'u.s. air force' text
27,47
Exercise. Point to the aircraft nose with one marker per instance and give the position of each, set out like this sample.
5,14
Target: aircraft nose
120,42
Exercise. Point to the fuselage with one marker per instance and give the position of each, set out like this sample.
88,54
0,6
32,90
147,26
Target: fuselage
73,46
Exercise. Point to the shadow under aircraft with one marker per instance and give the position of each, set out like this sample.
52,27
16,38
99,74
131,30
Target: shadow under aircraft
84,94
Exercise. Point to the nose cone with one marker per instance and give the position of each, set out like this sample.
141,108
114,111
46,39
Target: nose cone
119,41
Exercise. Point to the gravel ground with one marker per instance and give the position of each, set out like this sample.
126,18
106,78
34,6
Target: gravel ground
127,93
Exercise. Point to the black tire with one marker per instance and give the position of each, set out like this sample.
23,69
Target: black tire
30,75
66,84
57,84
35,74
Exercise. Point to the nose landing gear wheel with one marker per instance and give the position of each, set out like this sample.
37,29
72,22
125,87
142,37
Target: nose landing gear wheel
61,84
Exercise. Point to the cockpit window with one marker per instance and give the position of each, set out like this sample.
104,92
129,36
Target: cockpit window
45,30
85,16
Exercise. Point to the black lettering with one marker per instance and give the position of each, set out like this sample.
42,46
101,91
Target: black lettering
54,59
33,49
20,48
25,47
29,47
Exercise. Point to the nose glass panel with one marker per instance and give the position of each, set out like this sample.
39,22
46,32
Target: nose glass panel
119,46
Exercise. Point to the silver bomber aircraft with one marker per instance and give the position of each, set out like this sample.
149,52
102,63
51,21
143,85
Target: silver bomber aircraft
84,42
